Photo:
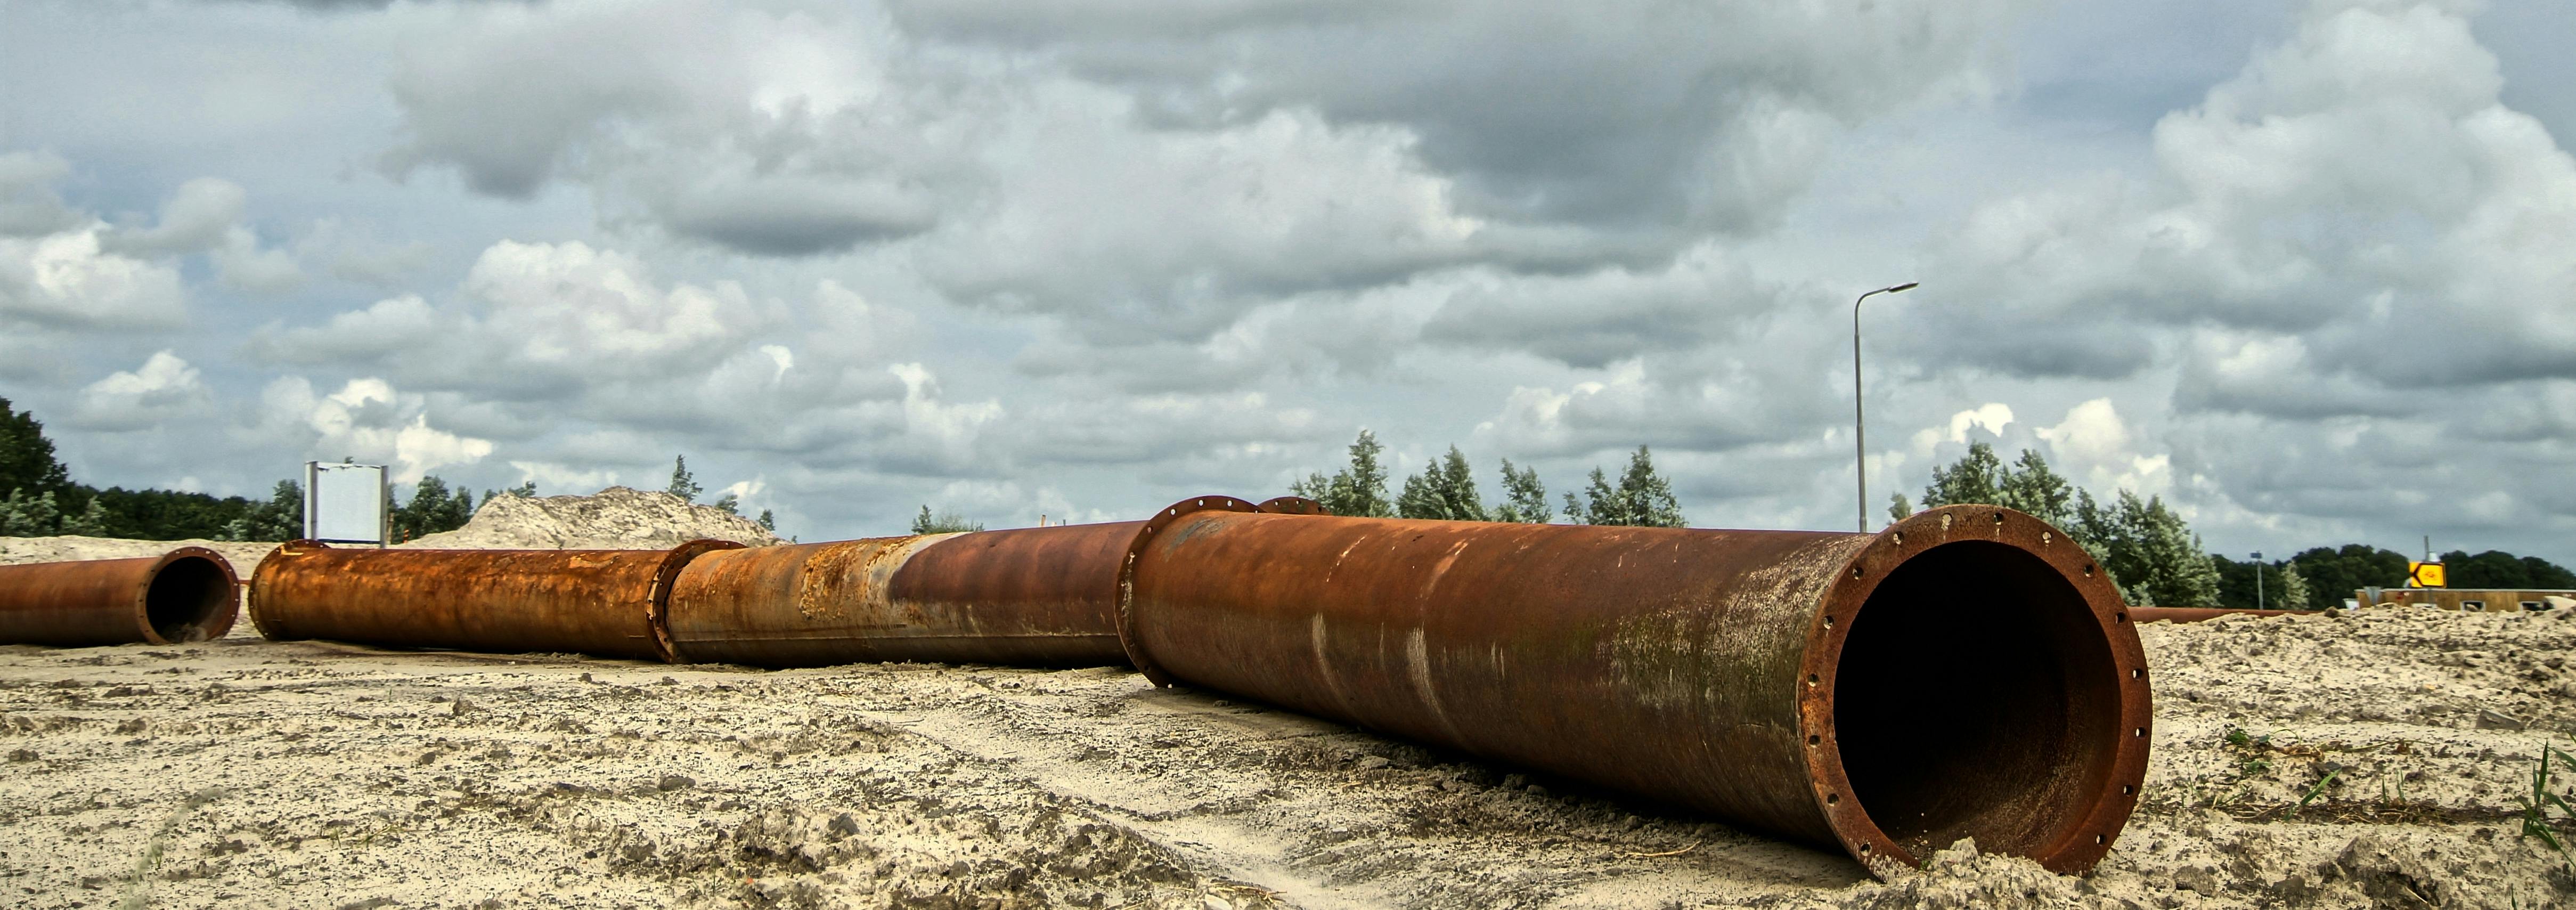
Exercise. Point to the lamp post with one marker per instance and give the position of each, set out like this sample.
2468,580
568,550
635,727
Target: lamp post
2258,579
1860,440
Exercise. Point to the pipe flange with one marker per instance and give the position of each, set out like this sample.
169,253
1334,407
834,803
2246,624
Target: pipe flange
215,627
267,564
1291,505
658,613
1127,573
2114,795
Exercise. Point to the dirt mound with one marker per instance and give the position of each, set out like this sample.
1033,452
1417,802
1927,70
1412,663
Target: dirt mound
616,518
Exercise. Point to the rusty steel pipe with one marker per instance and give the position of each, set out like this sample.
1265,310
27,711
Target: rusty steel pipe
605,603
1044,596
2195,614
188,594
1966,673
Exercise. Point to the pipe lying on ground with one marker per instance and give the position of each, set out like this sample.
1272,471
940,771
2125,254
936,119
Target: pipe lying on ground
1045,596
606,603
1966,673
2195,614
188,594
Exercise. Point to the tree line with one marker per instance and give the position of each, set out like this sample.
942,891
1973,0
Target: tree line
2155,557
1445,489
42,500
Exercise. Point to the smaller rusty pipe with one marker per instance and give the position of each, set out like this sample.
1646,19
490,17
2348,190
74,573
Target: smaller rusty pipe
605,603
185,595
2195,614
1044,596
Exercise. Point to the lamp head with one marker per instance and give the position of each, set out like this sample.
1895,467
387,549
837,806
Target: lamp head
1908,286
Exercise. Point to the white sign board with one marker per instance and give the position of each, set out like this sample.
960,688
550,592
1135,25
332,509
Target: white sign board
345,503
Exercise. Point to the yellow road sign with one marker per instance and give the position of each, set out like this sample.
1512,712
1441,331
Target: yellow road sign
2424,574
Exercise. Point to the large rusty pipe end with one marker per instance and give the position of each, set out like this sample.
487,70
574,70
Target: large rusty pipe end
186,595
1967,673
1973,673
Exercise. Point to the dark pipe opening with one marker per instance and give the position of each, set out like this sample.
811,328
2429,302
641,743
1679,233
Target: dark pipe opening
185,597
1976,697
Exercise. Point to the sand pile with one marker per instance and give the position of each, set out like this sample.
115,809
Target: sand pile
616,518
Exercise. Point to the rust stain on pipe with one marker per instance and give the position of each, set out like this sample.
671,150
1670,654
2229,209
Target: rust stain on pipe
606,603
1028,596
1966,673
2194,614
188,594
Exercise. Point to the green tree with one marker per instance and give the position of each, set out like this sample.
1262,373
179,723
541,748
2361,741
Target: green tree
2334,574
2031,487
280,518
1358,491
432,509
26,457
769,522
526,490
2294,589
728,503
91,522
2497,570
1445,491
683,483
2158,560
1977,479
1898,507
22,515
943,523
1524,498
2238,587
1642,498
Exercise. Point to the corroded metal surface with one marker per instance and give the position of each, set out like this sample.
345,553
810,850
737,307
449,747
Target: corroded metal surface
1021,596
598,602
1967,672
2192,614
188,594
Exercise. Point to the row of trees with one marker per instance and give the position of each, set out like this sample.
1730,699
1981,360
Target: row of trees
1446,489
2150,552
2156,558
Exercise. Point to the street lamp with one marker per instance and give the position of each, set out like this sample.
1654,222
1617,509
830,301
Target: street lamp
2258,579
1860,441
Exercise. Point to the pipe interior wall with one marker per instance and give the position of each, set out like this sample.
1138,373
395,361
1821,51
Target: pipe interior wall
1966,673
188,594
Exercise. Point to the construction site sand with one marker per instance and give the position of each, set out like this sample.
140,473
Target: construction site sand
246,772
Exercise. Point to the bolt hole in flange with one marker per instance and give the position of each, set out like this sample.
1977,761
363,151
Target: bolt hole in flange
1975,696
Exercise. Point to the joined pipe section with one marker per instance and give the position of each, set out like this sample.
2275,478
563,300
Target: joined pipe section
186,595
1045,596
1967,672
606,603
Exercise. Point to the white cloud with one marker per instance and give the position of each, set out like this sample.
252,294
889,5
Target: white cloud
165,386
367,419
2103,453
66,280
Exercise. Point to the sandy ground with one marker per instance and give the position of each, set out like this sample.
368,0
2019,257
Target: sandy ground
245,772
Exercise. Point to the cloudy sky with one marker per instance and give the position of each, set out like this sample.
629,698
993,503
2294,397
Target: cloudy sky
2307,271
